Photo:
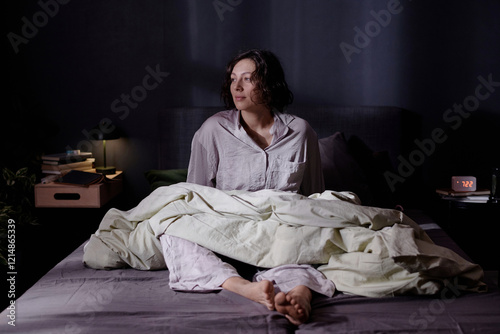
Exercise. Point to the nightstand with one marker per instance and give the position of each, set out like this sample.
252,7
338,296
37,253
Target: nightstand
67,216
54,195
472,224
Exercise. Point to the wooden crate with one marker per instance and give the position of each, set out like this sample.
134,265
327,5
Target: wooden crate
53,195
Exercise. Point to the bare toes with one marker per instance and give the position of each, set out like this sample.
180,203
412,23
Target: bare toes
295,305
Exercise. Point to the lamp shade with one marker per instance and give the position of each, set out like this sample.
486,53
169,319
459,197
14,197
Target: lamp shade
105,130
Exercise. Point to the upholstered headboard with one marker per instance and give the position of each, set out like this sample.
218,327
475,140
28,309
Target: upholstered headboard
358,144
388,129
176,130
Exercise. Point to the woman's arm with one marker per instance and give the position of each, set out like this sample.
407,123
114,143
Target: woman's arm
202,163
313,181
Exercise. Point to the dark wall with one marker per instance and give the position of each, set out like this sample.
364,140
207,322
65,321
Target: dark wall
73,63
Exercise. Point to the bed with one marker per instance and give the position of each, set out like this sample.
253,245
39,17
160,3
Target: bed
72,298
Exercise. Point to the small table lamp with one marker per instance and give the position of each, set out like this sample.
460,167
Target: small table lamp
105,132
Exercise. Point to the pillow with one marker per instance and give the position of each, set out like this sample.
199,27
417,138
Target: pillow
340,170
158,178
374,165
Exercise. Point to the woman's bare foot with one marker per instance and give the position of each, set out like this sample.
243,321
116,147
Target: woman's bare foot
295,305
260,292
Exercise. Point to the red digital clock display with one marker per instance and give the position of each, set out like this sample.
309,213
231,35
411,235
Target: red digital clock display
463,183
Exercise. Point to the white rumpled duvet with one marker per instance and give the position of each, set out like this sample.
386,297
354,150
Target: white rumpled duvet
366,251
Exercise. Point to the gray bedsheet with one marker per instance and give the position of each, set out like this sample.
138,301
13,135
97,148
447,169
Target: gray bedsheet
74,299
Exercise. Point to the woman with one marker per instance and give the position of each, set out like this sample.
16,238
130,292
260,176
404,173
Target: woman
252,146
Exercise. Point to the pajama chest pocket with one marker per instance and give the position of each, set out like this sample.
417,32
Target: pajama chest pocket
287,175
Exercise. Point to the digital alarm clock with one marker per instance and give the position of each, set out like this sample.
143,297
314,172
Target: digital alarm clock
463,183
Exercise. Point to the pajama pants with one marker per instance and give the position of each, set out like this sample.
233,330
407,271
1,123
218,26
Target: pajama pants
197,269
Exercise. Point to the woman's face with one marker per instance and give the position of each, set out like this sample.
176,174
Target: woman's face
243,90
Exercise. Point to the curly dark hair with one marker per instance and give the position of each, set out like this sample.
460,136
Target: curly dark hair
269,79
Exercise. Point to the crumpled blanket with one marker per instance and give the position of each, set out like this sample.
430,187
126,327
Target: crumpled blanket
364,250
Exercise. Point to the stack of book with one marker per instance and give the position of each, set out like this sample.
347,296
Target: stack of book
480,195
60,163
